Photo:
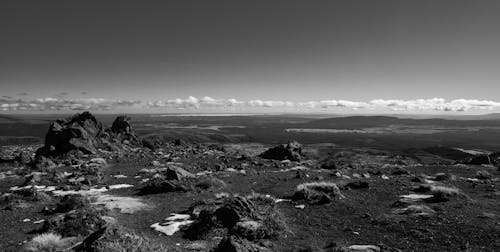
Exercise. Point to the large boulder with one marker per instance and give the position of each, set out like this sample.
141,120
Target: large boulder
291,151
80,132
121,129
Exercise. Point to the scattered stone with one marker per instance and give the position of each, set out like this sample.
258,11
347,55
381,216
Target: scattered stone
291,151
300,206
483,175
362,248
235,244
177,173
318,192
158,185
415,210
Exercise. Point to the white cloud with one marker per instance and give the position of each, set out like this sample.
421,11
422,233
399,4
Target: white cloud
59,104
436,104
433,104
191,102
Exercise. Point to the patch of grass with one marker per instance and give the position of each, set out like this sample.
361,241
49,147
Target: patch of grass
258,197
127,241
49,242
211,183
440,193
78,222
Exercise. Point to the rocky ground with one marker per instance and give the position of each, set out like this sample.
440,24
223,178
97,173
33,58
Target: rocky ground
91,188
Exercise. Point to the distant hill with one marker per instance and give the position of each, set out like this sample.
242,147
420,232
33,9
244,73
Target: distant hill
356,122
9,119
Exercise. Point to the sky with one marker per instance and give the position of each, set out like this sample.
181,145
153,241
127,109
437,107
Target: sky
351,56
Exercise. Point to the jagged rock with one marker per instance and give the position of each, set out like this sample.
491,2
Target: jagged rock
155,186
241,216
122,130
24,157
328,163
358,184
483,175
234,210
291,151
400,171
251,230
177,173
235,244
44,164
33,178
83,221
79,132
177,142
318,192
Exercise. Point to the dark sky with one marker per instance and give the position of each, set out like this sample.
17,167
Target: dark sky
277,50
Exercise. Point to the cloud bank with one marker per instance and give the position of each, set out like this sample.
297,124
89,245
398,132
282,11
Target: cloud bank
433,104
101,104
59,104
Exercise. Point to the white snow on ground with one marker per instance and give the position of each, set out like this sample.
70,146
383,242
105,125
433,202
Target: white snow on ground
415,197
173,224
124,204
91,191
175,217
127,205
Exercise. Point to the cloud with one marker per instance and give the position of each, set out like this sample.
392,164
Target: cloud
433,104
191,102
59,104
436,104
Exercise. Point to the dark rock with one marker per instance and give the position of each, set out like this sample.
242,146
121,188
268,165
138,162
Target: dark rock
234,210
357,185
291,151
121,130
89,241
155,186
484,175
328,163
121,125
250,229
235,244
204,222
318,192
177,173
177,142
79,132
400,171
480,160
83,221
44,164
24,157
149,143
71,202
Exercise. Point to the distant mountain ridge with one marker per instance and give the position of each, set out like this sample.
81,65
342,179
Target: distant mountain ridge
380,121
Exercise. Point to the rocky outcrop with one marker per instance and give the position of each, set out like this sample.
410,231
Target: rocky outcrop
83,133
80,132
291,151
121,130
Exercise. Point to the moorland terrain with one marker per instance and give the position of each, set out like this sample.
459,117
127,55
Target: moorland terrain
249,183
